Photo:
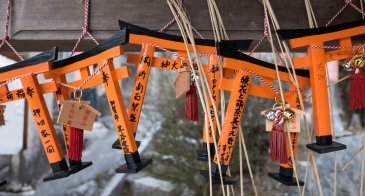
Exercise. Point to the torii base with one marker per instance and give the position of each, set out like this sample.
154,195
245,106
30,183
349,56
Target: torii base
76,167
133,163
3,183
57,175
116,144
324,144
60,170
285,180
227,180
202,154
133,168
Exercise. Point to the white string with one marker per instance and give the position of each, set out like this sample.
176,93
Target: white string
333,134
219,34
295,82
362,167
362,8
76,88
241,165
363,153
352,158
186,33
281,92
242,139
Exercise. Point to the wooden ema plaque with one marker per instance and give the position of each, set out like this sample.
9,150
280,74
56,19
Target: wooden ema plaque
2,110
293,124
182,82
77,114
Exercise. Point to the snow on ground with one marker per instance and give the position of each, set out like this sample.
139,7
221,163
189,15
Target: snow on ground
11,135
153,186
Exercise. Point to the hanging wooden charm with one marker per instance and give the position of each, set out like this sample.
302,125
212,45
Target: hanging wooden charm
291,115
78,114
182,81
2,111
277,120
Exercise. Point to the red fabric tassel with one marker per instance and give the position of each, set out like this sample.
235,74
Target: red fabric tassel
76,143
191,104
357,90
278,144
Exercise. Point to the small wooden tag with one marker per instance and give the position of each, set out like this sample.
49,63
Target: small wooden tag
182,81
2,111
294,124
77,114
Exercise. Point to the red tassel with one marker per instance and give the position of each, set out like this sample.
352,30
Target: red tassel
357,90
191,104
76,143
278,144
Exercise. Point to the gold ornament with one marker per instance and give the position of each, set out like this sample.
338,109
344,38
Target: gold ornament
358,61
288,114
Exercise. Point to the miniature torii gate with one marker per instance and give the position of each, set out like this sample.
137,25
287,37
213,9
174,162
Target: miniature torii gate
102,55
31,90
70,65
241,87
174,42
150,40
316,58
62,93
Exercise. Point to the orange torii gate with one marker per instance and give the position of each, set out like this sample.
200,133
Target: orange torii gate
150,40
64,66
62,93
32,91
102,55
316,58
240,88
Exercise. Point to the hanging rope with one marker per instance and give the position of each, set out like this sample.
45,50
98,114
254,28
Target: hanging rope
295,82
347,3
333,134
269,38
202,84
5,39
85,27
242,140
310,14
168,25
85,31
354,48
